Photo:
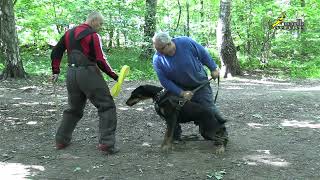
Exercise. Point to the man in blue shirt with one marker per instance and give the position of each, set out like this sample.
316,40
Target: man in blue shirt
179,64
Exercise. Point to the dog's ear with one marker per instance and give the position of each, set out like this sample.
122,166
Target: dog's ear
139,88
143,87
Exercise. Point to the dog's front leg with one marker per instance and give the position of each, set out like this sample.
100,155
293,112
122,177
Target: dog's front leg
168,137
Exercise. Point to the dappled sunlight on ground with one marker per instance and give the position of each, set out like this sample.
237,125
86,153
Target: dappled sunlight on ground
139,109
236,87
123,108
18,170
32,123
300,124
316,88
265,157
130,88
19,121
265,141
27,103
262,81
257,125
141,106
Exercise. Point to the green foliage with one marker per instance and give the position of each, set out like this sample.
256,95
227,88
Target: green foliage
128,56
305,70
1,62
291,50
40,22
40,64
43,21
1,67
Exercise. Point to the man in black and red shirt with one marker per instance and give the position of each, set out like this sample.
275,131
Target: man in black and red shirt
85,81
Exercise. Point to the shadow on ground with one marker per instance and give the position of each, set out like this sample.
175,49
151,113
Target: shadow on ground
274,129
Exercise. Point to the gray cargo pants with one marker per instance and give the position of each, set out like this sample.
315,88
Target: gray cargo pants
86,82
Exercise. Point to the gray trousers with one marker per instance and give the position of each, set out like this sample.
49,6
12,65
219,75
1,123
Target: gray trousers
204,96
86,82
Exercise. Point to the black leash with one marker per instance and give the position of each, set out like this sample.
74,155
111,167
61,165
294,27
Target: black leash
202,85
215,98
182,102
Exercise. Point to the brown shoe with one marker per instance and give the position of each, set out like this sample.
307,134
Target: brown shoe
60,146
107,149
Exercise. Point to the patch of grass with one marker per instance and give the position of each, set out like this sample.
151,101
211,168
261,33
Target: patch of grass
139,69
246,64
35,64
1,67
283,68
306,70
298,68
40,64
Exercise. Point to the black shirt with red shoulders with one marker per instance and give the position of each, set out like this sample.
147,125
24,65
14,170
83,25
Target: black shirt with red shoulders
99,57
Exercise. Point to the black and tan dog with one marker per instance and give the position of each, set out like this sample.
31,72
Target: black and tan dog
175,110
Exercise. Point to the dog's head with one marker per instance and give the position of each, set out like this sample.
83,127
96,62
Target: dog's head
142,93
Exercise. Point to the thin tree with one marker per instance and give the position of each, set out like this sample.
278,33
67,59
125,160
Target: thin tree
149,28
187,30
9,42
227,51
179,16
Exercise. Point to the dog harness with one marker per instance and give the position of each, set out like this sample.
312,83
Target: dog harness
163,97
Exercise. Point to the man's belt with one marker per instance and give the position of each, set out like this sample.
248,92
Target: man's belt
80,65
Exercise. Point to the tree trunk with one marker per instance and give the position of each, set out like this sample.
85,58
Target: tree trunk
188,19
118,38
125,35
109,39
149,28
227,51
249,41
269,34
110,30
203,38
9,42
180,9
202,11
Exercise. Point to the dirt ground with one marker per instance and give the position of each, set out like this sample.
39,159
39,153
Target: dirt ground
274,133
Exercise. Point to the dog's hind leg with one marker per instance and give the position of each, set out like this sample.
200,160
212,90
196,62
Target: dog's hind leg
168,137
177,133
219,137
221,140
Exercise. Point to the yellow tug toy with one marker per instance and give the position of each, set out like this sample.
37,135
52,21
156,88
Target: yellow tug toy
115,90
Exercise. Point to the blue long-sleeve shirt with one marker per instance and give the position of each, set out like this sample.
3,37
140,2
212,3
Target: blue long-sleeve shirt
185,69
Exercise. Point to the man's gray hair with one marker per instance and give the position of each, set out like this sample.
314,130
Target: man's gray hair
94,15
162,38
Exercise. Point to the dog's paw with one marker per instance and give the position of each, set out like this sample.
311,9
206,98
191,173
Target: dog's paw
166,148
220,149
